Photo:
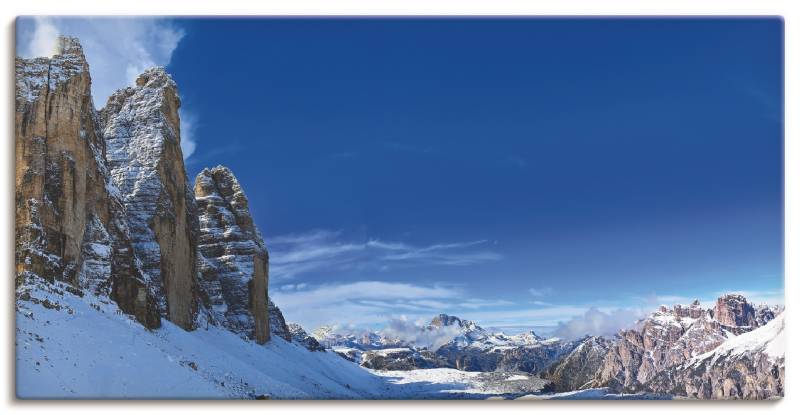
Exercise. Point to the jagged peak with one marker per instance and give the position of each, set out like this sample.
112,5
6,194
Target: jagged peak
445,320
155,77
68,45
218,169
152,78
733,298
221,178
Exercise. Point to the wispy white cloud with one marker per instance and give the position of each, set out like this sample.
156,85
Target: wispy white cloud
408,148
41,38
375,303
538,316
362,302
188,126
541,291
477,303
292,255
292,287
416,332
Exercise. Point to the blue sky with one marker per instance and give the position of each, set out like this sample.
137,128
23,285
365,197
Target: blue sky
520,172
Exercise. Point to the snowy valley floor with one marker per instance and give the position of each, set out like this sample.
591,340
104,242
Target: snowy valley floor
456,384
72,347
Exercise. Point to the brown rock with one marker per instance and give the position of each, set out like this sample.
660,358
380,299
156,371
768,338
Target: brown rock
67,211
672,336
733,310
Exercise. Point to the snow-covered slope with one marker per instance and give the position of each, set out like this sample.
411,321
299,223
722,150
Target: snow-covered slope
769,340
602,394
444,383
82,346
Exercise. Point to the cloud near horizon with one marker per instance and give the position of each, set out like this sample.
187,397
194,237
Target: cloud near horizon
361,303
395,306
296,254
415,332
596,322
118,49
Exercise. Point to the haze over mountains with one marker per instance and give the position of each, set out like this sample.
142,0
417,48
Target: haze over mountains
132,281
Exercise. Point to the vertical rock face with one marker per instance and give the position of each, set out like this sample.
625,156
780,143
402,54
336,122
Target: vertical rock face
68,212
141,128
733,310
233,260
671,336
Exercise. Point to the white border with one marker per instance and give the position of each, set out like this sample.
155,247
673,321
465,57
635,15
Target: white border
787,9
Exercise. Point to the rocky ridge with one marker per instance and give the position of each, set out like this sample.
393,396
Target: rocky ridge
477,349
748,366
671,336
462,344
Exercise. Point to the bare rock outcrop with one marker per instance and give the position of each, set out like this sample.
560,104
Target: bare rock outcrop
69,216
748,366
233,261
277,323
733,310
141,128
672,336
301,337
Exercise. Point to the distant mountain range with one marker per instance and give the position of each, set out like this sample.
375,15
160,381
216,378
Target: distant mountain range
654,356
